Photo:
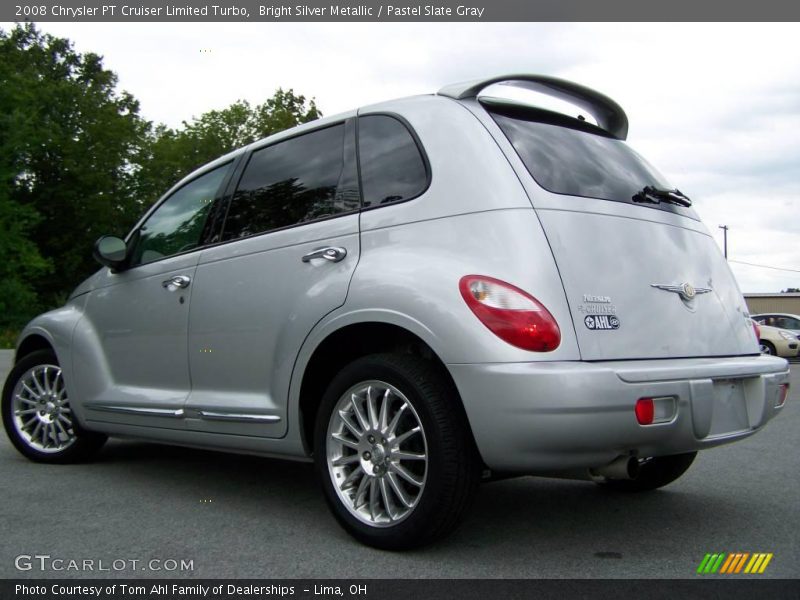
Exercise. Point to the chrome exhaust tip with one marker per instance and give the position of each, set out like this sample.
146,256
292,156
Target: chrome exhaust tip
622,467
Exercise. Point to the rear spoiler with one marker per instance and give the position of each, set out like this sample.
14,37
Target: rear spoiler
609,114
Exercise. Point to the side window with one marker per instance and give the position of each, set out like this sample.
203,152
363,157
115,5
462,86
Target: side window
392,168
177,225
301,179
786,323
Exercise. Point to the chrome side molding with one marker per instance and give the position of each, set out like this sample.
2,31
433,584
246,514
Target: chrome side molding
210,415
138,410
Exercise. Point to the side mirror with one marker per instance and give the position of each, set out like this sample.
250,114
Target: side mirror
110,251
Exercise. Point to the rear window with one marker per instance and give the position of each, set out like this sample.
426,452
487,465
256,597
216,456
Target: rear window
578,162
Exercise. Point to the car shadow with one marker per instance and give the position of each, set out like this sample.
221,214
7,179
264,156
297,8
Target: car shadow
525,510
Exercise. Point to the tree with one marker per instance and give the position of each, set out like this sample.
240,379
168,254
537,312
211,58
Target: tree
790,290
170,154
67,140
78,161
20,262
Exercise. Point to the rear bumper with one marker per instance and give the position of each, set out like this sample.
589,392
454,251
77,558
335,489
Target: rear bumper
551,417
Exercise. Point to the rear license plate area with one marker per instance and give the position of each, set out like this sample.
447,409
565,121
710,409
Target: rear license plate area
729,408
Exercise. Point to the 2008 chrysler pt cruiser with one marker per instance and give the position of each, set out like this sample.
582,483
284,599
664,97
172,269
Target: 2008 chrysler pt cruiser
413,295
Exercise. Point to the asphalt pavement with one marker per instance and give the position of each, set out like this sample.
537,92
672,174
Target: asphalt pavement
242,516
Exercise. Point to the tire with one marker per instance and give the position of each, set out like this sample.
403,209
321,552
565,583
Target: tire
767,348
37,415
654,472
395,488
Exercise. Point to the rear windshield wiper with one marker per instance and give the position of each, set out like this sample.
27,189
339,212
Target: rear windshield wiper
653,195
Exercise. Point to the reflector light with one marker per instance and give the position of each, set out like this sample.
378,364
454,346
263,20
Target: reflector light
783,394
644,411
652,411
511,314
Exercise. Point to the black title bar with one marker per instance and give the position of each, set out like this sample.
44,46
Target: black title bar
394,589
379,10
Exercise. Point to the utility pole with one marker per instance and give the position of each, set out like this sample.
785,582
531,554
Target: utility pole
725,239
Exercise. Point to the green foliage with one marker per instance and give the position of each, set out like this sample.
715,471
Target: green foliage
169,154
20,262
68,139
78,161
8,338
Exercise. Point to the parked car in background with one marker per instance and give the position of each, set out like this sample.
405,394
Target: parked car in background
779,320
414,295
778,342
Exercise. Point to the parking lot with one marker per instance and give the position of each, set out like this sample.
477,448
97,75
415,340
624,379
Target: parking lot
235,516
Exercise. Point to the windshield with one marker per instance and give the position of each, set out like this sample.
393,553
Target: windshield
578,162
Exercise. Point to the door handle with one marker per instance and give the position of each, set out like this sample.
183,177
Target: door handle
330,253
176,282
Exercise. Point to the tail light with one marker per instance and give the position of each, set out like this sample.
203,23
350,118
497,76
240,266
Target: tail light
757,331
511,314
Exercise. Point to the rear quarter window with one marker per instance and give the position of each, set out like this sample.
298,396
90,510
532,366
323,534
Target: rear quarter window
393,167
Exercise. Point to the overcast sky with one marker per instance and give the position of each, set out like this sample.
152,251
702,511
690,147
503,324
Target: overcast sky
715,107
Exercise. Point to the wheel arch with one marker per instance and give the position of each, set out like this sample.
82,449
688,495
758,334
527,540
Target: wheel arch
769,345
347,343
32,343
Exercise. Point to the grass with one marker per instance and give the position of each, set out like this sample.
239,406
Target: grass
8,337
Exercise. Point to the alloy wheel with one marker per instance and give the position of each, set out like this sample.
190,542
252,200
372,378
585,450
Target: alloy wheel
41,412
377,453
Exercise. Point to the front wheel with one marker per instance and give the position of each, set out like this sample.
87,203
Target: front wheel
654,472
37,414
394,452
767,348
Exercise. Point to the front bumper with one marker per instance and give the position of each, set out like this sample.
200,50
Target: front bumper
557,416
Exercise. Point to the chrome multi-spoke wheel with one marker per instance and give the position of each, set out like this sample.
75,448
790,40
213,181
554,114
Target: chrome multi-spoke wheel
377,453
42,415
394,452
37,415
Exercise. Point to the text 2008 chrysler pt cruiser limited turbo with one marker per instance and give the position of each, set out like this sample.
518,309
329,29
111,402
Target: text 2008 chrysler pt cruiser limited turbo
416,294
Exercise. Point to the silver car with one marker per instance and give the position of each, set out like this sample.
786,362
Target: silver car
416,295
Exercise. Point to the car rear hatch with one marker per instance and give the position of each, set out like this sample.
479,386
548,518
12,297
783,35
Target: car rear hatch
643,277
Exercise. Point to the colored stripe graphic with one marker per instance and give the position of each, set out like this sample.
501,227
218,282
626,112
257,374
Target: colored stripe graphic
711,563
741,561
755,562
703,564
728,564
718,563
765,563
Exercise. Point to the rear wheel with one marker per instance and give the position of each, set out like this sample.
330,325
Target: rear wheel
37,414
654,472
394,452
767,348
